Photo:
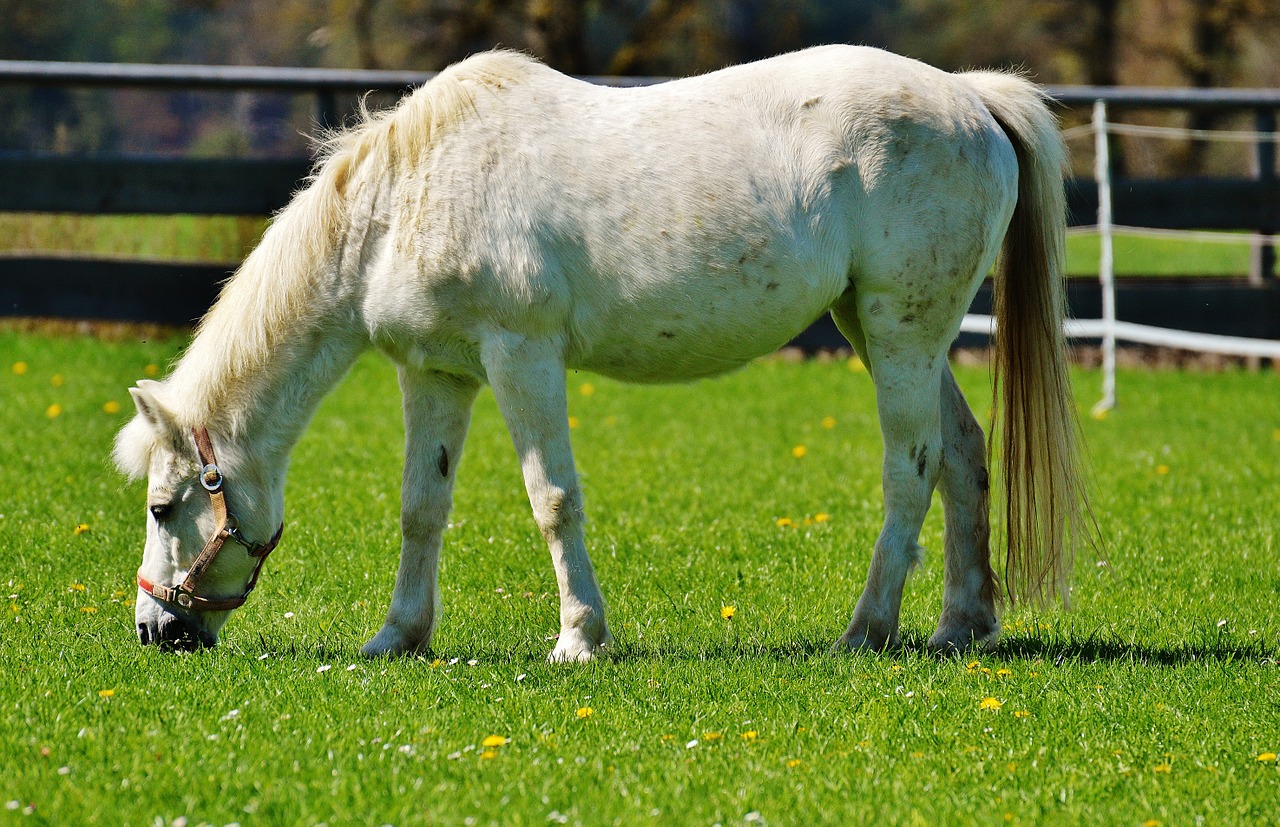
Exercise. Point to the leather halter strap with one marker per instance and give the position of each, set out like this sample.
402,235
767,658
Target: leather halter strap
228,528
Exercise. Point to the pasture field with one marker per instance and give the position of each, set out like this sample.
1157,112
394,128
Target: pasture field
226,239
731,560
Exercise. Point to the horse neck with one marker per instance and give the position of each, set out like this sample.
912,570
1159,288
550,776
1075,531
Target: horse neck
284,331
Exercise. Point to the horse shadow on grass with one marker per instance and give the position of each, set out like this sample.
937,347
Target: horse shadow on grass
1056,648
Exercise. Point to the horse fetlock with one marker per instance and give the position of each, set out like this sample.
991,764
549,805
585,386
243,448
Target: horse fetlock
583,633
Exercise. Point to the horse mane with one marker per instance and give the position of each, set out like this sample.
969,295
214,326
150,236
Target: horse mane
276,296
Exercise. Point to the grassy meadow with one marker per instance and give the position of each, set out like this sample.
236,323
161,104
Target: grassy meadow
730,560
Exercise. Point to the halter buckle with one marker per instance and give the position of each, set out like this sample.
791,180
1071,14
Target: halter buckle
183,599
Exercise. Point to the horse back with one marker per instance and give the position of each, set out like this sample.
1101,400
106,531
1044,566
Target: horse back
682,229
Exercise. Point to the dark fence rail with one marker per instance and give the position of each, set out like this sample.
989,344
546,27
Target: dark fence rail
176,293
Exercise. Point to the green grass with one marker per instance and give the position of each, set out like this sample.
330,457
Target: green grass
228,239
1140,704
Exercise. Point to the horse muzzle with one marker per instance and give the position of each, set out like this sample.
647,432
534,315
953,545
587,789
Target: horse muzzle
174,633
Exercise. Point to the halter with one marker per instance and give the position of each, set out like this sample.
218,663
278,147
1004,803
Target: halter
228,529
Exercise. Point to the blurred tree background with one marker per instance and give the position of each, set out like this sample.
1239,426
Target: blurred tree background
1203,43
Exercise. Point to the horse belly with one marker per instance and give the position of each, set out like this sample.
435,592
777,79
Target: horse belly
701,327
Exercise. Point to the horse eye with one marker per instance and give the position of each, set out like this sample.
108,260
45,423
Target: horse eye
160,510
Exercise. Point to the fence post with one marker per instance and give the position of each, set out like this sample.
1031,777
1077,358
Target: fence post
1106,261
1262,266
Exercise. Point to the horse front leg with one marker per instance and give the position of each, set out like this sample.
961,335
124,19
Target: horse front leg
437,411
527,376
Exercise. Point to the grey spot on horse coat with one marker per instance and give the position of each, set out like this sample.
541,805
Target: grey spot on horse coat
442,462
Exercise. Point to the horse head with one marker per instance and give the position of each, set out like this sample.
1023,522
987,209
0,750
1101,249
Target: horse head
199,563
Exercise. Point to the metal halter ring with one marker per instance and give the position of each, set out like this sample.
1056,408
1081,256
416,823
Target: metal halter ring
211,477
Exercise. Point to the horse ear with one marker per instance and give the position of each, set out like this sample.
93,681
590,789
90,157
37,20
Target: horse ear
153,411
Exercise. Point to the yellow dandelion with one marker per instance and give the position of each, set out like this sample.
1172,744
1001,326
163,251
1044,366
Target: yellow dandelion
727,612
77,587
855,365
574,422
53,411
991,704
821,517
785,522
111,407
81,528
495,741
1267,756
586,389
1276,434
437,662
1164,768
712,736
1022,713
668,738
794,762
106,693
585,712
19,368
56,380
751,735
799,451
1003,673
151,370
828,422
89,610
489,754
1162,469
1151,822
972,665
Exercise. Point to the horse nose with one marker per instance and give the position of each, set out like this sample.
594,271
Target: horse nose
175,633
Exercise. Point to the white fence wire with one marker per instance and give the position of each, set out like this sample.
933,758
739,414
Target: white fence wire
1109,329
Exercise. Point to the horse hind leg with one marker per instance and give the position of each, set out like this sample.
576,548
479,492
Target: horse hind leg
969,618
437,412
907,359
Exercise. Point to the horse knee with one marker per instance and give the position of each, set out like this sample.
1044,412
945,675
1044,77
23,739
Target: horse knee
423,515
556,509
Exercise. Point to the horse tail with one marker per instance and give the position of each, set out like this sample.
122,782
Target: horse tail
1045,499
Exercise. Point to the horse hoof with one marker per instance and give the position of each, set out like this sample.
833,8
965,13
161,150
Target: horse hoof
963,640
576,648
390,643
864,641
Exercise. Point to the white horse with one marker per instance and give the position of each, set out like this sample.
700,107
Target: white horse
505,222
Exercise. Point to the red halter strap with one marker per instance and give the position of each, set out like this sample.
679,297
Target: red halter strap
228,529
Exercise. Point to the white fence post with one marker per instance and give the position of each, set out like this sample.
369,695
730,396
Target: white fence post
1106,262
